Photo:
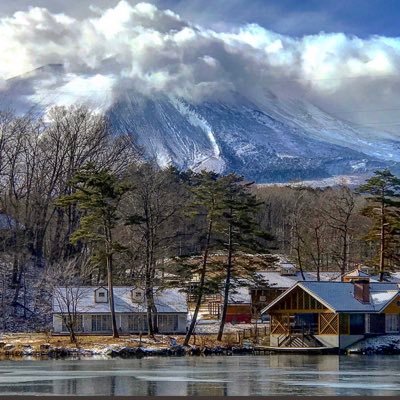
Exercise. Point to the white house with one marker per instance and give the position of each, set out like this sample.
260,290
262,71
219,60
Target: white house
92,310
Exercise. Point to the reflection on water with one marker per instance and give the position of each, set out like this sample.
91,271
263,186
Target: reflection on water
279,374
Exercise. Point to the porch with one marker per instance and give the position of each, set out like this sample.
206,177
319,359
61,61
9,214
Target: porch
305,329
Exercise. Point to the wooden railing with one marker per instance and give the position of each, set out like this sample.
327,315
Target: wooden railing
252,333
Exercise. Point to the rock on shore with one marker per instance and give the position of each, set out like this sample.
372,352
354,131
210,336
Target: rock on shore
47,350
387,344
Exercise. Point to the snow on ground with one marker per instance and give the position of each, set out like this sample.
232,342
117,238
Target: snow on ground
375,345
349,180
212,327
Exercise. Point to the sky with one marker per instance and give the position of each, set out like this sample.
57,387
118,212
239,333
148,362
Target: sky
342,55
291,17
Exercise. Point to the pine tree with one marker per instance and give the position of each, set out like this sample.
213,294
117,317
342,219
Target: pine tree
241,230
383,207
97,193
208,194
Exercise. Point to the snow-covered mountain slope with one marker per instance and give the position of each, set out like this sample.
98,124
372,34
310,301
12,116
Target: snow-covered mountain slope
239,136
274,140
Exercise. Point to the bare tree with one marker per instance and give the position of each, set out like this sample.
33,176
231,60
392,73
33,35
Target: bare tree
339,207
68,292
153,210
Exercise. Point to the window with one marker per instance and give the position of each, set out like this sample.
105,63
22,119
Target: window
78,326
137,296
168,323
377,323
101,323
101,295
137,323
392,323
357,324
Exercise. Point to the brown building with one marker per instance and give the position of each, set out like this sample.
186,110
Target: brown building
333,314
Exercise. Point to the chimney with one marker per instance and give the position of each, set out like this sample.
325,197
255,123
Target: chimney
361,290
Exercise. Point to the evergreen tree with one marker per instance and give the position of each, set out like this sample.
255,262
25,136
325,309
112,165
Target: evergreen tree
208,194
383,207
241,231
97,193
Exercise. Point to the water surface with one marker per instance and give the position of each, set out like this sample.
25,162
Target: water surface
279,374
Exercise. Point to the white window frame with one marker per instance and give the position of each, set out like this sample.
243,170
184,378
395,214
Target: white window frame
166,321
137,322
367,323
101,323
392,323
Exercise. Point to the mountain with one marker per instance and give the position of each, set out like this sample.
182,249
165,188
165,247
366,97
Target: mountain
276,139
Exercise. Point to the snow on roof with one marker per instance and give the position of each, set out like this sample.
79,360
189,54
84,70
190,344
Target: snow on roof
339,296
382,298
166,301
240,295
393,277
357,273
278,281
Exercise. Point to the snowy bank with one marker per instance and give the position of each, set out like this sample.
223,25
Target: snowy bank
386,344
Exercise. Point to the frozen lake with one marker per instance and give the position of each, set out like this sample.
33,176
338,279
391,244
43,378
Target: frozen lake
214,376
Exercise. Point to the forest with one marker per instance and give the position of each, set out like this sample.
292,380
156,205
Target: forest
81,205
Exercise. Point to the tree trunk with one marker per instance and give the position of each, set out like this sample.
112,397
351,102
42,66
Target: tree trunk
298,248
111,286
72,336
344,257
201,287
300,262
318,263
150,306
382,244
149,282
227,285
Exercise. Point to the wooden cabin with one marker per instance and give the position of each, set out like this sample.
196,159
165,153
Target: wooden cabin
237,313
239,306
333,314
277,282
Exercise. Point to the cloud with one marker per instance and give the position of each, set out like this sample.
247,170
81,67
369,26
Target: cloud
156,50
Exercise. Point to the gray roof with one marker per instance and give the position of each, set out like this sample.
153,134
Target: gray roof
166,301
339,296
240,295
393,277
278,281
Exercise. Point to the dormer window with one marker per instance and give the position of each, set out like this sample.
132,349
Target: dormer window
288,269
137,295
101,295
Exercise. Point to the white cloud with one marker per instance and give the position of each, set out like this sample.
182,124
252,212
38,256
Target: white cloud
158,51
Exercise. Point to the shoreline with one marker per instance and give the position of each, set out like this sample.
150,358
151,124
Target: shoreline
36,345
123,352
44,346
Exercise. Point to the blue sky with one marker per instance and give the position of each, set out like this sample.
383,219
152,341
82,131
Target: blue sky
292,17
299,17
